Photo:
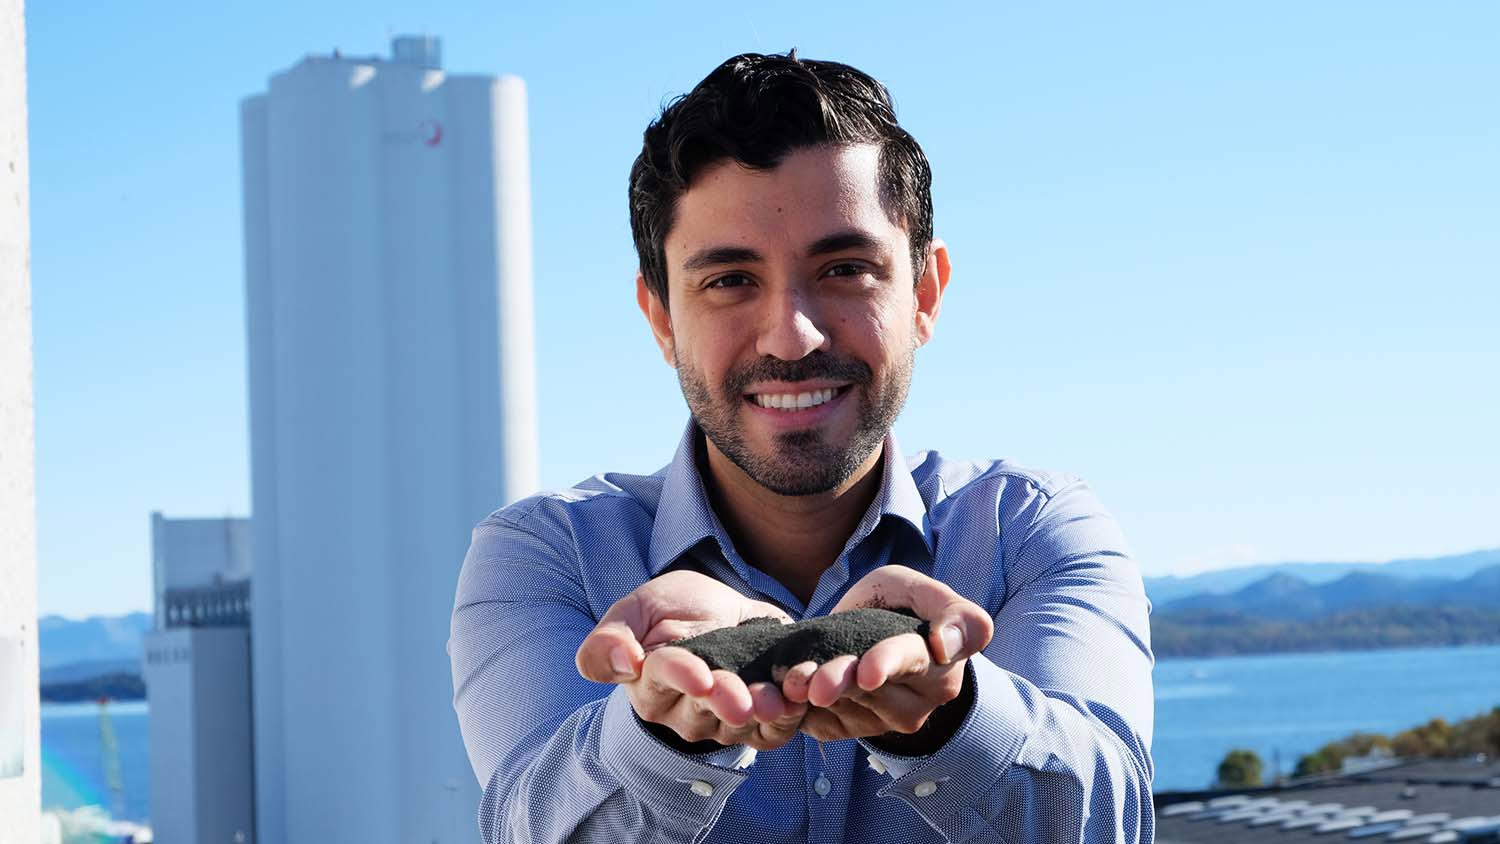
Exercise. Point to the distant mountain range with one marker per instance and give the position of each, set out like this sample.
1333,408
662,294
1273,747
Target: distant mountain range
1285,596
62,641
1367,607
1162,590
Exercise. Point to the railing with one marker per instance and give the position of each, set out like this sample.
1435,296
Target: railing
220,605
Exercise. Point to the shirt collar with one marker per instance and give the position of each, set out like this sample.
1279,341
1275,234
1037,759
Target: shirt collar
684,517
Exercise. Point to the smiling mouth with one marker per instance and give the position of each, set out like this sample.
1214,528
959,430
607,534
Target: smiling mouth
788,402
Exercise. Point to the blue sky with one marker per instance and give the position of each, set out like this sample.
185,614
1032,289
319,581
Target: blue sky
1237,267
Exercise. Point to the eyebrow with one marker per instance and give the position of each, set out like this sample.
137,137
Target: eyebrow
719,255
844,241
716,256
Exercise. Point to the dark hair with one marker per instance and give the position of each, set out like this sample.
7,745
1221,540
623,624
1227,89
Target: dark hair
755,109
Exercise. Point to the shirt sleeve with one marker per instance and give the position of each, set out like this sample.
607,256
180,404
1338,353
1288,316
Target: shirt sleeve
1056,746
561,758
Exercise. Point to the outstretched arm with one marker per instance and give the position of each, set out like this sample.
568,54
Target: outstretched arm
1050,740
562,758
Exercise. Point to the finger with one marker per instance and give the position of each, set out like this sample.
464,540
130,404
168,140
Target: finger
843,719
892,659
729,700
896,709
823,725
680,670
776,719
770,737
728,735
964,630
610,654
798,678
652,701
832,679
958,627
772,723
938,685
693,721
770,706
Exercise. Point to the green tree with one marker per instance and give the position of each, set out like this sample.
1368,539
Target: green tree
1320,761
1480,734
1434,738
1240,769
1330,757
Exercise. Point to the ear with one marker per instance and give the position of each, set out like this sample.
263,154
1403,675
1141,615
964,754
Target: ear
658,317
930,287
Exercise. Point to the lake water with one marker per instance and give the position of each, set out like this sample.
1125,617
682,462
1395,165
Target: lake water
1286,705
73,772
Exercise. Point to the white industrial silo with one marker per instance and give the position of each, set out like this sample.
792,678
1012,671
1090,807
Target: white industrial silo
392,403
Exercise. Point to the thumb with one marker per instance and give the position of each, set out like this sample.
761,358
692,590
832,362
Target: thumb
961,630
612,652
957,627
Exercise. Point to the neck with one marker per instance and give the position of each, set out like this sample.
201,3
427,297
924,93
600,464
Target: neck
793,538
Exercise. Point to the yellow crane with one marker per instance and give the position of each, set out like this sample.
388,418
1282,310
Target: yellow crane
109,754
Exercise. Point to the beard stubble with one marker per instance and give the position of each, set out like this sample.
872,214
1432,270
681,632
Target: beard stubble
802,462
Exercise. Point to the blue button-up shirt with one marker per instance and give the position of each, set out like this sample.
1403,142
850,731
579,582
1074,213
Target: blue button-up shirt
1056,746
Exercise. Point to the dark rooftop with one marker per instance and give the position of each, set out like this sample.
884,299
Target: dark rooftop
1423,800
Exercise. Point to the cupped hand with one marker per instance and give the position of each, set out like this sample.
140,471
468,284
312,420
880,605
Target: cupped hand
897,685
670,686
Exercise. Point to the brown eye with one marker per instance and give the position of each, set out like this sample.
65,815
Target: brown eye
727,281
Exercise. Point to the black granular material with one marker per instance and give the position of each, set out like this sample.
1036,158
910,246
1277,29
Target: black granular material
758,645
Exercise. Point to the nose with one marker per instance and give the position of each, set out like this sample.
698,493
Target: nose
791,327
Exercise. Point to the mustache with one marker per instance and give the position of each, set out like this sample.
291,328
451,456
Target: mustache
815,365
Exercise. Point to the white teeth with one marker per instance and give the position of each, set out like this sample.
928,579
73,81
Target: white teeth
794,401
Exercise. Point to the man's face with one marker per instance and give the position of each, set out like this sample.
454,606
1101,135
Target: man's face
794,315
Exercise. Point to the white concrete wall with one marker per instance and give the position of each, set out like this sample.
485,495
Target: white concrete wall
221,718
187,553
388,415
20,796
169,692
198,684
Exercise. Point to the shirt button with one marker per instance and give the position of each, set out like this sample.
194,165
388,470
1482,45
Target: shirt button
701,788
876,765
925,789
822,786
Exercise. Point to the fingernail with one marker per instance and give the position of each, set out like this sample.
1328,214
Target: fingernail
620,662
953,642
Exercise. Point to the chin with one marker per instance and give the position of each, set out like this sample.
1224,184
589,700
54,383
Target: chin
794,485
804,474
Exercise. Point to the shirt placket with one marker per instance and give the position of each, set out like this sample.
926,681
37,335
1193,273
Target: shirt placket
828,767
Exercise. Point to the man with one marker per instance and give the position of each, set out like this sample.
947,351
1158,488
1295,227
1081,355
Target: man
788,273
